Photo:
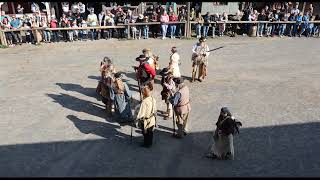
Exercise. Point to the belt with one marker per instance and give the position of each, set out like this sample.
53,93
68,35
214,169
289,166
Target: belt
183,105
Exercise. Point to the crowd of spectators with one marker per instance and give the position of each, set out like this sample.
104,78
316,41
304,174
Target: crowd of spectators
81,16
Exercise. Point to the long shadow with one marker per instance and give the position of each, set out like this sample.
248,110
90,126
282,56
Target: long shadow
91,92
79,105
187,78
284,150
94,77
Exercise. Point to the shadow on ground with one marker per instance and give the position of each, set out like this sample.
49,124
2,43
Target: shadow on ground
286,150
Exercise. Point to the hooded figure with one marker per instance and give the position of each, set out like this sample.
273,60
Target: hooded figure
227,126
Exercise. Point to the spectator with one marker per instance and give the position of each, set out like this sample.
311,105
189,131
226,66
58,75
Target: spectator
92,20
63,24
295,10
54,24
182,17
305,24
261,17
101,18
46,33
164,19
74,7
109,21
276,18
70,32
140,19
9,35
34,7
84,32
292,18
154,28
146,28
193,15
75,31
199,24
214,19
65,7
310,9
29,36
269,25
82,9
206,24
20,9
285,18
222,26
120,19
310,27
16,24
36,34
173,18
316,29
297,24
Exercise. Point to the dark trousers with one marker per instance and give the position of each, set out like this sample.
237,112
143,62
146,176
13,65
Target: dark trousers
148,136
55,36
65,35
17,37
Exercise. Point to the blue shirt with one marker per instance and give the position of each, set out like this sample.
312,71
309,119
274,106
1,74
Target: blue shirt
299,18
15,23
175,99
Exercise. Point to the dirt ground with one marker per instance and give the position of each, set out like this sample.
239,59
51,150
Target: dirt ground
53,124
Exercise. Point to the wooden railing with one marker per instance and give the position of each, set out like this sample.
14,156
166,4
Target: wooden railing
187,33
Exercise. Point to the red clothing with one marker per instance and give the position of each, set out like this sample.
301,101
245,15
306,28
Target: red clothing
173,18
53,24
149,71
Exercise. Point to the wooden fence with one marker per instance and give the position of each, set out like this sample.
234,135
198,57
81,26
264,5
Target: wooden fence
187,27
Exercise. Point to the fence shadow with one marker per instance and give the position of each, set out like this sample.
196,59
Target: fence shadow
284,150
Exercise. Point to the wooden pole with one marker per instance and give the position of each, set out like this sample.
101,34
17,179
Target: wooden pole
3,38
188,21
303,7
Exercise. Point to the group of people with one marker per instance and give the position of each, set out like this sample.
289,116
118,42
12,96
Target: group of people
277,13
175,93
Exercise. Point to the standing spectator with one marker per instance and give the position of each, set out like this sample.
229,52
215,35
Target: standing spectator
46,33
305,23
261,17
316,29
34,7
70,32
173,18
75,31
20,9
310,27
70,16
310,9
65,7
199,24
9,35
74,7
222,26
16,24
292,18
120,19
269,25
84,32
164,19
92,20
285,18
276,18
214,19
54,24
193,15
154,28
297,24
35,24
101,18
146,28
82,9
29,36
63,24
140,19
295,10
206,24
182,18
109,21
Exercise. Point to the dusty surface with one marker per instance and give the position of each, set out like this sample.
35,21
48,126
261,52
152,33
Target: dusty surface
52,124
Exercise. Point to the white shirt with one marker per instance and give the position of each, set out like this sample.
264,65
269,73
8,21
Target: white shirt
65,7
82,8
174,59
92,19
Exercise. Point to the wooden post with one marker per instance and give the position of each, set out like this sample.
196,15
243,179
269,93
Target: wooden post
303,7
188,22
3,38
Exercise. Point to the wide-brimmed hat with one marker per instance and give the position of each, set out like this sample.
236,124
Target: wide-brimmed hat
179,80
202,39
141,57
118,75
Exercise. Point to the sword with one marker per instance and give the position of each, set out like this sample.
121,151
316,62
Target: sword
216,49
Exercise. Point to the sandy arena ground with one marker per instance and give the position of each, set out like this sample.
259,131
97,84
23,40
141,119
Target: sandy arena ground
52,123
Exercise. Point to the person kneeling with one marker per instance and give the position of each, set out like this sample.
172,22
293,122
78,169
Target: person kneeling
147,116
227,126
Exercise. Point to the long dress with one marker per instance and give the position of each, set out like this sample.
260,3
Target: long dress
122,103
174,59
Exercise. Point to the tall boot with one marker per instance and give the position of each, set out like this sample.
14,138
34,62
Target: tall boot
193,73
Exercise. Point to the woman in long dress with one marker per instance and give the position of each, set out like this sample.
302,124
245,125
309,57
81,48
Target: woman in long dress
174,63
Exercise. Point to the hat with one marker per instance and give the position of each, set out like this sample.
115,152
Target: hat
179,80
141,57
164,71
118,75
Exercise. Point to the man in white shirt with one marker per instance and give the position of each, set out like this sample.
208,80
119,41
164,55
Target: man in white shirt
92,20
65,7
200,59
